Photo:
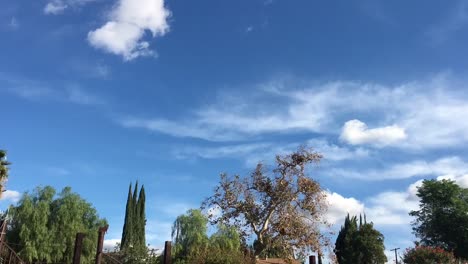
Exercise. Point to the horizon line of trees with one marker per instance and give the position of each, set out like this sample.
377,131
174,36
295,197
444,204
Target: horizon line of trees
281,209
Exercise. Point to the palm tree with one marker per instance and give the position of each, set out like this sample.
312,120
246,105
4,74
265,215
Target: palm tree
3,170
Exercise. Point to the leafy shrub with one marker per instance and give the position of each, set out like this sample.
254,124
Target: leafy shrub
428,255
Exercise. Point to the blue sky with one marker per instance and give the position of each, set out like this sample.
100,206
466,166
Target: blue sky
98,93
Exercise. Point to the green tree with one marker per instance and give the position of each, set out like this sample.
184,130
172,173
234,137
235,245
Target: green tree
141,218
189,235
127,228
133,243
133,233
442,218
3,170
192,245
359,243
344,249
428,255
43,225
282,208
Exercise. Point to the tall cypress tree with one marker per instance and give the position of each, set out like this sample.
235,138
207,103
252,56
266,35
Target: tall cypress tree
141,217
128,226
359,243
133,233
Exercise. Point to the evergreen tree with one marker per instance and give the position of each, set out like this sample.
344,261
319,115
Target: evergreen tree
133,233
127,228
141,218
359,244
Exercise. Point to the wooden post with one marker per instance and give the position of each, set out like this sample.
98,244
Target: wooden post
78,246
167,252
311,259
3,224
102,231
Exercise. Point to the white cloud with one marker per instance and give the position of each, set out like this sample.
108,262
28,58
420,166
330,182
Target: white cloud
356,132
253,153
128,22
418,168
57,7
110,244
11,196
339,207
460,179
38,90
427,113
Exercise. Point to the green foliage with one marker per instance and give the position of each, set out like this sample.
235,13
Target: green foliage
189,234
442,218
428,255
359,243
192,245
3,170
133,234
43,226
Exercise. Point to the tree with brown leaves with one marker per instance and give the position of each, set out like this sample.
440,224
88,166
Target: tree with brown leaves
282,208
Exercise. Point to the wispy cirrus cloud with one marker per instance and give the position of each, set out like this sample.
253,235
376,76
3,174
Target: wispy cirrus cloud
38,90
418,168
57,7
129,21
252,153
416,115
453,22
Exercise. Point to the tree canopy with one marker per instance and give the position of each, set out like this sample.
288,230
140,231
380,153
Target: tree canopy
133,233
359,243
3,170
192,244
442,218
282,208
43,225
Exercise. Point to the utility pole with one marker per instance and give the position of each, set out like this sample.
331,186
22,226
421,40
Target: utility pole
396,256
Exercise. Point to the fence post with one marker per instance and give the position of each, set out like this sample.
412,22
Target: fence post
78,246
311,259
167,252
102,231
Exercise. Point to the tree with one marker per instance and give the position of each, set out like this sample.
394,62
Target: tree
43,226
133,233
189,235
192,245
282,209
442,218
344,250
128,225
3,170
359,243
428,255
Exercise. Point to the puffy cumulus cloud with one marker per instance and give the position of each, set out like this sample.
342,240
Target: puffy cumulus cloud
460,179
356,132
388,208
11,196
123,34
111,244
426,113
339,207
